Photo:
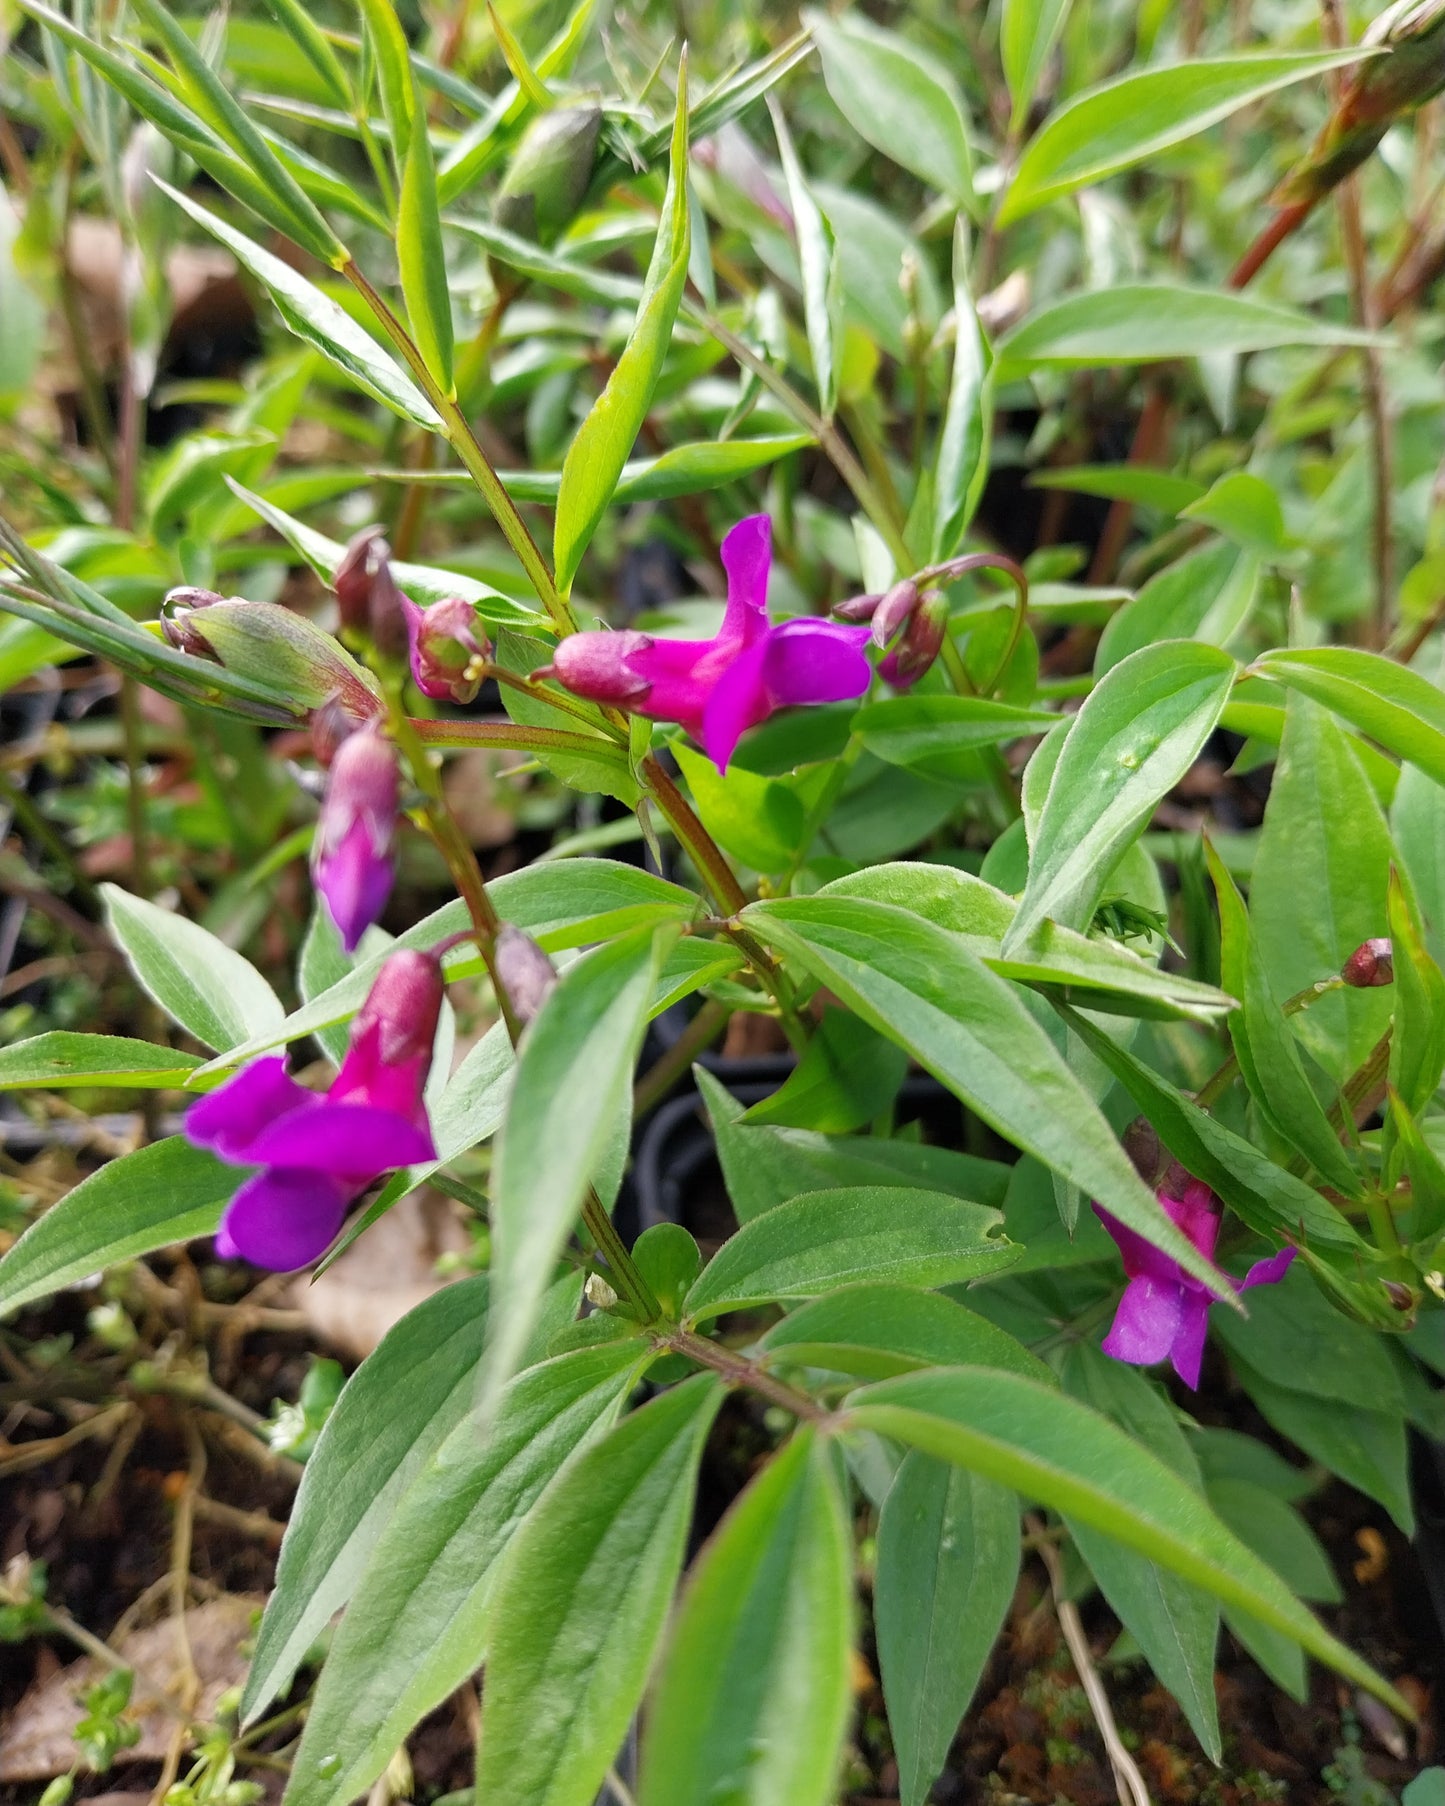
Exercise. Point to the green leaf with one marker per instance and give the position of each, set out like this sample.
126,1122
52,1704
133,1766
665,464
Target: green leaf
60,1059
1272,1201
211,990
821,270
755,1685
948,1562
421,258
395,1409
1391,703
833,1238
962,463
561,904
765,1166
923,988
1206,595
573,1083
583,1601
167,1192
1321,871
314,317
847,1075
597,454
1417,824
1141,322
938,735
1135,117
876,1331
322,963
1051,1448
1028,31
315,46
1123,483
393,68
417,1626
1278,1535
898,99
1136,736
761,821
1245,509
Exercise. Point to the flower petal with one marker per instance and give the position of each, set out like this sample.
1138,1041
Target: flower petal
811,661
230,1119
747,556
1146,1322
283,1218
355,880
739,700
1187,1354
352,1141
1270,1271
1141,1258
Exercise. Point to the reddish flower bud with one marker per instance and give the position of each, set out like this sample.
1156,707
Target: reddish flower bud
921,642
594,666
447,651
1372,963
525,972
858,608
366,593
897,608
351,858
392,1036
176,623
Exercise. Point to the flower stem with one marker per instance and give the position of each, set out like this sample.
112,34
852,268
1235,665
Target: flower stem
507,735
1215,1087
738,1370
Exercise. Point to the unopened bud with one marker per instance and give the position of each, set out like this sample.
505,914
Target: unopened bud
524,972
858,608
403,1007
1372,963
895,610
264,641
1402,1297
448,653
598,1293
369,602
330,725
1145,1150
351,859
594,665
549,174
176,623
921,644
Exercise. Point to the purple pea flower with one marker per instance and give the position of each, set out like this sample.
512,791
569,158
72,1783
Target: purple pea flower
351,860
1164,1312
318,1154
719,688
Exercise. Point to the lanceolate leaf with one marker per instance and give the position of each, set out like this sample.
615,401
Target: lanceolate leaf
1028,31
822,277
755,1682
59,1059
922,987
948,1561
963,444
418,1624
583,1600
206,986
1053,1449
421,257
167,1192
876,1331
1391,703
394,1410
1143,113
1136,736
596,456
574,1077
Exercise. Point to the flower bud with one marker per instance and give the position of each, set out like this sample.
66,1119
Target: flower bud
1145,1150
402,1009
598,1293
367,597
1372,963
549,172
921,642
264,641
858,608
447,652
351,859
524,972
176,623
895,610
594,665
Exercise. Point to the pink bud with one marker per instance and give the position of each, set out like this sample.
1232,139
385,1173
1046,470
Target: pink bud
351,857
896,609
921,642
366,593
858,608
176,623
392,1037
447,651
525,972
594,665
1372,963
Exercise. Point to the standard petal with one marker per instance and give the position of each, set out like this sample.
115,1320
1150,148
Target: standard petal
811,661
747,556
1141,1258
1187,1354
353,1141
1146,1322
284,1218
229,1119
1270,1271
356,881
739,700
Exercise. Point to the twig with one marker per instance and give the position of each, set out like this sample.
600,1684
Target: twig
257,1524
659,1078
1127,1779
738,1370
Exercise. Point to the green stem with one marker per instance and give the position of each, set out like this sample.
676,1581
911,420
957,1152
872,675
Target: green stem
738,1370
1215,1087
626,1275
660,1077
706,855
509,735
468,448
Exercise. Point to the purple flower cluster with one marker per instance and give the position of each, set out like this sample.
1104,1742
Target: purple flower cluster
317,1154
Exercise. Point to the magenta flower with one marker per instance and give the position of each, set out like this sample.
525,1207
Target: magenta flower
351,860
719,688
1164,1312
317,1154
447,653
